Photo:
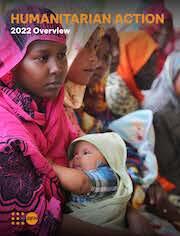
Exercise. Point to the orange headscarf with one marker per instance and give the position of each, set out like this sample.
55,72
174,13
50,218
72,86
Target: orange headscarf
135,50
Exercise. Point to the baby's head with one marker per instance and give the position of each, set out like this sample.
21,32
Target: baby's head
86,156
37,62
91,150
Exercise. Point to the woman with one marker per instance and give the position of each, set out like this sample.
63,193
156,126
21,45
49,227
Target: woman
135,72
163,34
34,127
163,100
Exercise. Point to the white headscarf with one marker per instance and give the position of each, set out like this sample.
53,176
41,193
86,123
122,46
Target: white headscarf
162,90
74,92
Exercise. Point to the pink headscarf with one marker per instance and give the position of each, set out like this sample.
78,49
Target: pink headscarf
27,138
14,46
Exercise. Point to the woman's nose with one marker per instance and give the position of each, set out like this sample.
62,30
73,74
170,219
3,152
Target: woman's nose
54,67
93,58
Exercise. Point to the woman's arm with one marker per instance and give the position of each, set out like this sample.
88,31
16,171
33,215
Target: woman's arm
74,227
73,180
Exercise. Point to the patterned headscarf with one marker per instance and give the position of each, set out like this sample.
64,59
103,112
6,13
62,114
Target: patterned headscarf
74,87
14,46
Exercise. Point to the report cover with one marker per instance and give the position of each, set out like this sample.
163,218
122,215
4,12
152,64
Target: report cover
89,107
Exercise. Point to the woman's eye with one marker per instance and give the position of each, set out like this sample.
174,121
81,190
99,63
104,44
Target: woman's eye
43,58
61,55
106,57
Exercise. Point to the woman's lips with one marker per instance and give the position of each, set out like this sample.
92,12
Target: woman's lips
53,85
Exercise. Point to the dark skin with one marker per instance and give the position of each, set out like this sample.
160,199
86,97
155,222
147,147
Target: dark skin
86,62
114,48
137,223
95,92
104,59
43,69
41,73
157,202
146,75
164,34
81,228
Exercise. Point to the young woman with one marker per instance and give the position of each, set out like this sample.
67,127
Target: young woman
34,128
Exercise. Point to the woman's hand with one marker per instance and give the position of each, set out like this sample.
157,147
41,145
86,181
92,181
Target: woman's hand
155,194
159,204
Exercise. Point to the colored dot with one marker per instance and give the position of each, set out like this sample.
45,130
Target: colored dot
17,223
13,223
17,213
17,218
22,213
22,223
31,218
13,213
12,218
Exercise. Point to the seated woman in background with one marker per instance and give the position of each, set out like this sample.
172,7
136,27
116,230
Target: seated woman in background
84,63
163,34
163,99
135,72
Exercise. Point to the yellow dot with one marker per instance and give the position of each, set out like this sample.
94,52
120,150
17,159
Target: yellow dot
17,218
12,218
17,213
13,213
22,213
22,223
17,223
31,218
12,222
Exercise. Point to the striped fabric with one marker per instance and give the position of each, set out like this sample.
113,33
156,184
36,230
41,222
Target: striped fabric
104,183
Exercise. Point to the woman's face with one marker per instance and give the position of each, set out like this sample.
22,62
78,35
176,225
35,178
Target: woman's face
104,59
115,49
163,36
147,73
83,66
43,69
86,61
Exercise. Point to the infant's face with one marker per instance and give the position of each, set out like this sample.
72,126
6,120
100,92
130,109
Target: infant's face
86,157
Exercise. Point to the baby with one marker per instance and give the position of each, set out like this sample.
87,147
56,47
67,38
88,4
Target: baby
97,178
